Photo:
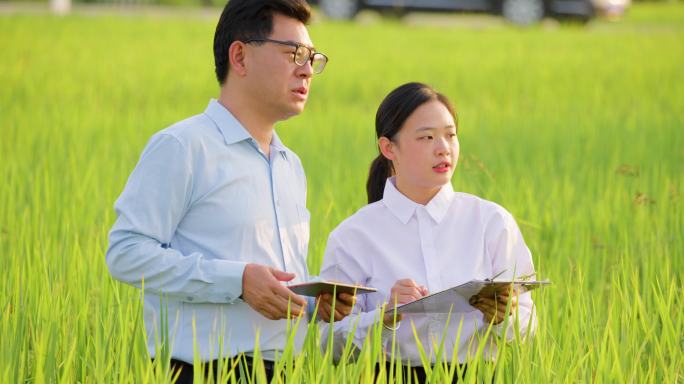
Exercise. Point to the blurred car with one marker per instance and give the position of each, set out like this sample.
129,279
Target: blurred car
522,12
612,9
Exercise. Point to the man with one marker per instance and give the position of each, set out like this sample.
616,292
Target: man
213,219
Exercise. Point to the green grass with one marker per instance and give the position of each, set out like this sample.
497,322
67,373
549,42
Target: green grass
579,132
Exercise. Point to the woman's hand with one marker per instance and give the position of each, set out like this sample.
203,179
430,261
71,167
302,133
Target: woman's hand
494,309
404,291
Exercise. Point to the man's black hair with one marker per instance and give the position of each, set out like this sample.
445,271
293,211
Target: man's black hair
242,20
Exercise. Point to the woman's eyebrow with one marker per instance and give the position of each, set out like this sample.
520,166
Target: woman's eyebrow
421,129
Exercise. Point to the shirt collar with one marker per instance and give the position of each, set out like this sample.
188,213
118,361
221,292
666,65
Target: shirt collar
232,130
439,205
277,144
403,208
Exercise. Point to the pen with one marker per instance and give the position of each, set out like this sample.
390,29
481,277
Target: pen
495,276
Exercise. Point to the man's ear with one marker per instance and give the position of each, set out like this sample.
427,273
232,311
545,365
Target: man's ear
386,148
236,58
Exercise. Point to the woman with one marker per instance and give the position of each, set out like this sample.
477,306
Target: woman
417,236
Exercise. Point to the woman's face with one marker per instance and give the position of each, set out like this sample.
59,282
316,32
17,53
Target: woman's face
424,152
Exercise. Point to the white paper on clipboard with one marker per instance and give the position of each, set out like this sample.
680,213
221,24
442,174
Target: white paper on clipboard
455,299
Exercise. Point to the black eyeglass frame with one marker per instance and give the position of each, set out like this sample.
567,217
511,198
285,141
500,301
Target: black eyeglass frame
297,46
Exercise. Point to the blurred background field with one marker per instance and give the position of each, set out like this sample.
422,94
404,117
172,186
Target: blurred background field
577,130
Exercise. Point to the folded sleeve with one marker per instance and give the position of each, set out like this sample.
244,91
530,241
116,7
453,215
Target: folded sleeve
157,195
340,265
508,252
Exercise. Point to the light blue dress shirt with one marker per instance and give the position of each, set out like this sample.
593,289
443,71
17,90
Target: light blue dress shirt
202,202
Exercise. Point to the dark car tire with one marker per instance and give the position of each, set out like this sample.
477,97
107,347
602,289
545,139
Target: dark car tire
576,20
523,12
340,9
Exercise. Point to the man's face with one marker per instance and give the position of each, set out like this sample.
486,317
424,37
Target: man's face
280,85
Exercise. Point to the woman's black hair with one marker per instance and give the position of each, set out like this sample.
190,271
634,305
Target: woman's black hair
393,112
243,20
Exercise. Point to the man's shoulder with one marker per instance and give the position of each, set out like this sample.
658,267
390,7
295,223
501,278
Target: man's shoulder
295,158
194,129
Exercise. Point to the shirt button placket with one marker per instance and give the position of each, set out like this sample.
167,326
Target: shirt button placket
432,276
434,333
277,212
429,252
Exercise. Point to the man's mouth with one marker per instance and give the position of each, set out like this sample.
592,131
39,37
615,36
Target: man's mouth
301,91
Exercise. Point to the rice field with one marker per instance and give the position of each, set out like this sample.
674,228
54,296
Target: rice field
578,131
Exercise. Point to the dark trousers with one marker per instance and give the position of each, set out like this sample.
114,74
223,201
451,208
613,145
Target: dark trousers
417,374
242,372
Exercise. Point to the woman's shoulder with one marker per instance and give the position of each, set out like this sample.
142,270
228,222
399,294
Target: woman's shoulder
365,217
486,209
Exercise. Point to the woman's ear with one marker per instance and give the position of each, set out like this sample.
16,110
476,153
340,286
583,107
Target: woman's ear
236,58
386,148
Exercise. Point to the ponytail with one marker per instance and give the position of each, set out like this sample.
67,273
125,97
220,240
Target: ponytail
380,170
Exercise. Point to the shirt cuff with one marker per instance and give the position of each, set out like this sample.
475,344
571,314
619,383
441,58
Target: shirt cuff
310,307
387,332
227,279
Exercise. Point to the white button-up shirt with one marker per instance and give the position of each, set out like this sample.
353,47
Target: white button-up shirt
202,202
453,239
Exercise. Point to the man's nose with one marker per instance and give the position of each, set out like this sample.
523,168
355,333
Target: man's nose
305,71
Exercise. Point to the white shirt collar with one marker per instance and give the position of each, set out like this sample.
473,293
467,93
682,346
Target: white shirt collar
403,208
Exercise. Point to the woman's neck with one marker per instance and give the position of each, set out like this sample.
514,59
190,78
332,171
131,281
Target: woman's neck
416,194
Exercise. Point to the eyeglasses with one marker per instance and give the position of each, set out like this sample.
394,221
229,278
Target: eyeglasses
301,55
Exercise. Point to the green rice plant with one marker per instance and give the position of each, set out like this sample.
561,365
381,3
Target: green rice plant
575,130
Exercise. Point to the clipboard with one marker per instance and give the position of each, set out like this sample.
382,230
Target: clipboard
456,299
315,288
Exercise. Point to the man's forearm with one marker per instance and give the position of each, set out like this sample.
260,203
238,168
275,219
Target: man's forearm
142,261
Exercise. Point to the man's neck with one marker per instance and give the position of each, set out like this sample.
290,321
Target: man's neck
256,125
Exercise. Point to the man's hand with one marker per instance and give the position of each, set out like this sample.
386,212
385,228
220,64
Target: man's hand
404,291
494,309
262,290
343,306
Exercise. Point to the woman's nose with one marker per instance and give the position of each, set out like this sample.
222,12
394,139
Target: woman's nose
442,147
